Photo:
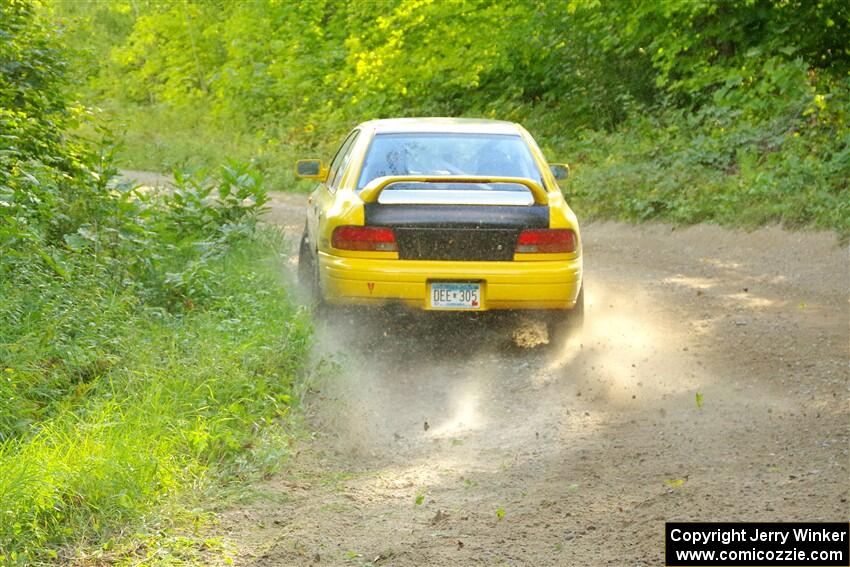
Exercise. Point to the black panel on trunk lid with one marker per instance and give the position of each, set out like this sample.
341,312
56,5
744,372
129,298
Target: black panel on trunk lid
457,232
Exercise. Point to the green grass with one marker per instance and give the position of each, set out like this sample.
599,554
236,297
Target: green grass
662,168
666,166
117,417
162,138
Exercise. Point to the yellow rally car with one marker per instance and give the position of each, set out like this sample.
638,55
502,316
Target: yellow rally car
442,214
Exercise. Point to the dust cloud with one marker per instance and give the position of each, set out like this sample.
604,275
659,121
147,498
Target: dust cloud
709,383
405,381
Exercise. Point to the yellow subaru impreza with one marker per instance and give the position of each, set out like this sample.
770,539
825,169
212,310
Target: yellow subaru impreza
442,214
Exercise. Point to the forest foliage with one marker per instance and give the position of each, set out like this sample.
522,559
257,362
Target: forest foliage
143,358
683,110
139,365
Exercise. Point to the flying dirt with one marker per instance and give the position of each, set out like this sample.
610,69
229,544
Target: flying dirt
710,383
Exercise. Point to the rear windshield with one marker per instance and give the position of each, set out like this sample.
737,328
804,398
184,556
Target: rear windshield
448,154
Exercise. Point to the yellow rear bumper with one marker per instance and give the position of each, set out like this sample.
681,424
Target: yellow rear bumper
505,285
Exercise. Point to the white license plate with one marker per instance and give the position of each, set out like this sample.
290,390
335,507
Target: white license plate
451,295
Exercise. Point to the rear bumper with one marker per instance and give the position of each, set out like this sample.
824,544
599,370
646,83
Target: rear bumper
505,285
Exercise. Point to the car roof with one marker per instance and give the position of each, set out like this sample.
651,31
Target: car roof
448,125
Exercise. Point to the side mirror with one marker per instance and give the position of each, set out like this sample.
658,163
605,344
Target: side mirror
559,170
311,169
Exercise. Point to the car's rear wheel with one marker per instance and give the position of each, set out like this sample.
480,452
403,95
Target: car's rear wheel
564,323
308,270
305,261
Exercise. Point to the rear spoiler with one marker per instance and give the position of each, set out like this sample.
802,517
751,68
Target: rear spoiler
372,191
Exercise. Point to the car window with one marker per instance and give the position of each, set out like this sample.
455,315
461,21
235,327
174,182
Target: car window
340,161
503,155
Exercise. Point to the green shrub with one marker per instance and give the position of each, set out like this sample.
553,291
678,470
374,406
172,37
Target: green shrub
148,345
715,166
120,406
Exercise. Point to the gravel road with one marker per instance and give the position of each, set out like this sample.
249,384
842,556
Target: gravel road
710,383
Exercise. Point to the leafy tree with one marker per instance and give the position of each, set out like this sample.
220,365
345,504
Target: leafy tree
272,79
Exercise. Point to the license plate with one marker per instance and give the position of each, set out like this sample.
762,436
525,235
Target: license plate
451,295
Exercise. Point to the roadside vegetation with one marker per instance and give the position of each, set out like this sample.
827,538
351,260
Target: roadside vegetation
733,112
148,344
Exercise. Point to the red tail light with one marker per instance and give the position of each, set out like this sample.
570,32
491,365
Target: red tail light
546,241
364,238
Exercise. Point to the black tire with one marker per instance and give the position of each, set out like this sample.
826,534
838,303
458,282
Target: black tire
308,270
564,323
305,261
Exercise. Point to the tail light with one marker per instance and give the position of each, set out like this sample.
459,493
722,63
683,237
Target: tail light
364,238
546,241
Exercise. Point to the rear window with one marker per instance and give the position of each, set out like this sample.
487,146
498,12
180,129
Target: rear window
438,154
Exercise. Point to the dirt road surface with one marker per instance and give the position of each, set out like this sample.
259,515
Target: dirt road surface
710,383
